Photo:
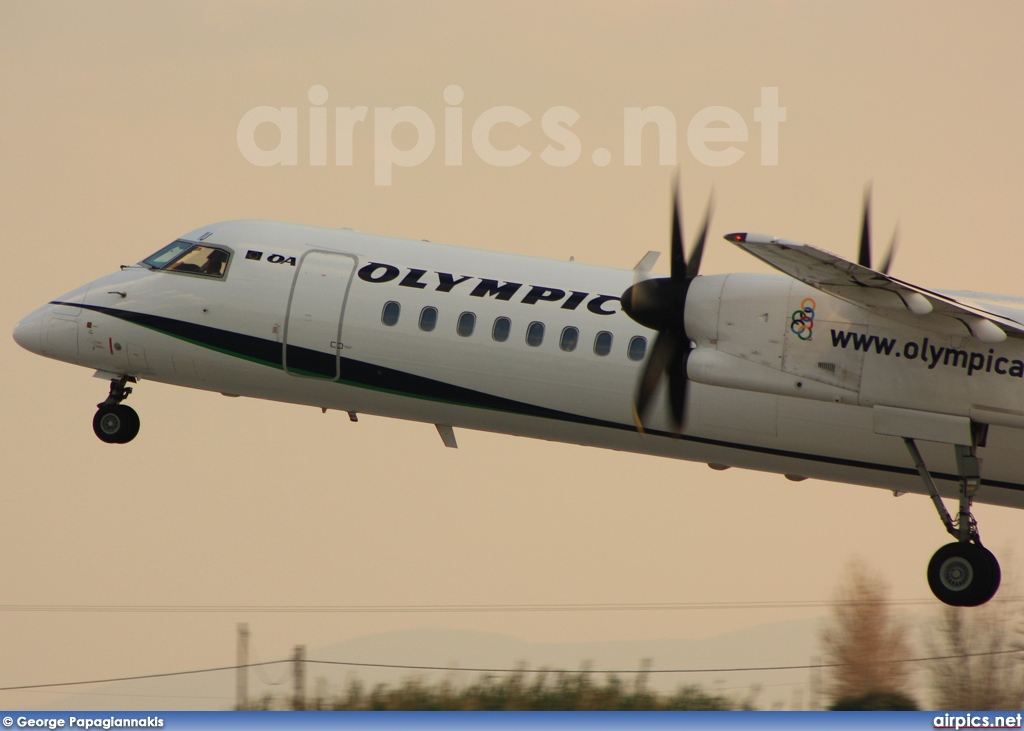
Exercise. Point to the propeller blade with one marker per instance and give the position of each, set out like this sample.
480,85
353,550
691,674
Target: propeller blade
678,385
658,304
662,353
678,266
892,251
693,266
864,258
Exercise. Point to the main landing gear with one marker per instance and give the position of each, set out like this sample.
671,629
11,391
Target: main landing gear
964,573
114,422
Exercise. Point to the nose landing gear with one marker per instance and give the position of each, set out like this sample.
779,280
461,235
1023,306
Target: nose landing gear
114,422
964,573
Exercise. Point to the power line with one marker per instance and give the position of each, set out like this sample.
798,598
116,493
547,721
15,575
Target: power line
137,677
645,671
164,695
445,608
584,671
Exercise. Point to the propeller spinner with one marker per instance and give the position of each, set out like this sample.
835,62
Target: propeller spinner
659,304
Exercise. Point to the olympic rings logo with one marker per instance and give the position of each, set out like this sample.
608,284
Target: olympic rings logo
802,322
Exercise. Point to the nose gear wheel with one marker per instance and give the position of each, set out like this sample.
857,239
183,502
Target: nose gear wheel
115,422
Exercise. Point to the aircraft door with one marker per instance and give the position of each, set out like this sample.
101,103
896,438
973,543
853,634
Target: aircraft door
316,310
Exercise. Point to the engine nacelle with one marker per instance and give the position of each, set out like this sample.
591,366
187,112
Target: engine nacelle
775,335
753,332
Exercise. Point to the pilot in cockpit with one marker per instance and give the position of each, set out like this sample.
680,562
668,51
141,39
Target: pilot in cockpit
214,265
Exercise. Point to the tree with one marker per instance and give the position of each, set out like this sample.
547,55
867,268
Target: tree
986,670
546,691
863,642
875,700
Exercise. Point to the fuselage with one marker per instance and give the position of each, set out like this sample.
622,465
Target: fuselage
339,319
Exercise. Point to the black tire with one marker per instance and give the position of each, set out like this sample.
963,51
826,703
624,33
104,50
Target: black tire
115,424
963,575
132,424
995,576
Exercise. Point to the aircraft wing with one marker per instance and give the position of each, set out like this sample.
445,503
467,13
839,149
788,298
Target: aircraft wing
876,291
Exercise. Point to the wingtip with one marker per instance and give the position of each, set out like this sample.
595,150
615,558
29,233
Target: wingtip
754,238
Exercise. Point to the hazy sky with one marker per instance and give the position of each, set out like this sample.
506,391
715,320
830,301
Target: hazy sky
118,133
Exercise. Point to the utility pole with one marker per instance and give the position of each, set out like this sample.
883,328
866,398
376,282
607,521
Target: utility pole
299,675
242,670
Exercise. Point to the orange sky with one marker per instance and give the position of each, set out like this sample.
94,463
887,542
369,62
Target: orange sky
119,125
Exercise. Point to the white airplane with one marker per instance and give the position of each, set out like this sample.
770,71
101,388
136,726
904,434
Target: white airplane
835,371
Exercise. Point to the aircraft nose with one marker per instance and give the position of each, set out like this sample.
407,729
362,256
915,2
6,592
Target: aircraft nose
29,332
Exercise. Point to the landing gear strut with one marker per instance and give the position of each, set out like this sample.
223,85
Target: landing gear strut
114,422
964,573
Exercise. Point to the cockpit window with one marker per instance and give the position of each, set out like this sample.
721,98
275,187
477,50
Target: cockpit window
184,256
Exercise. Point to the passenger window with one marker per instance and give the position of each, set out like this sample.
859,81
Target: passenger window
535,334
603,343
182,256
428,319
390,314
570,337
637,347
502,327
467,321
